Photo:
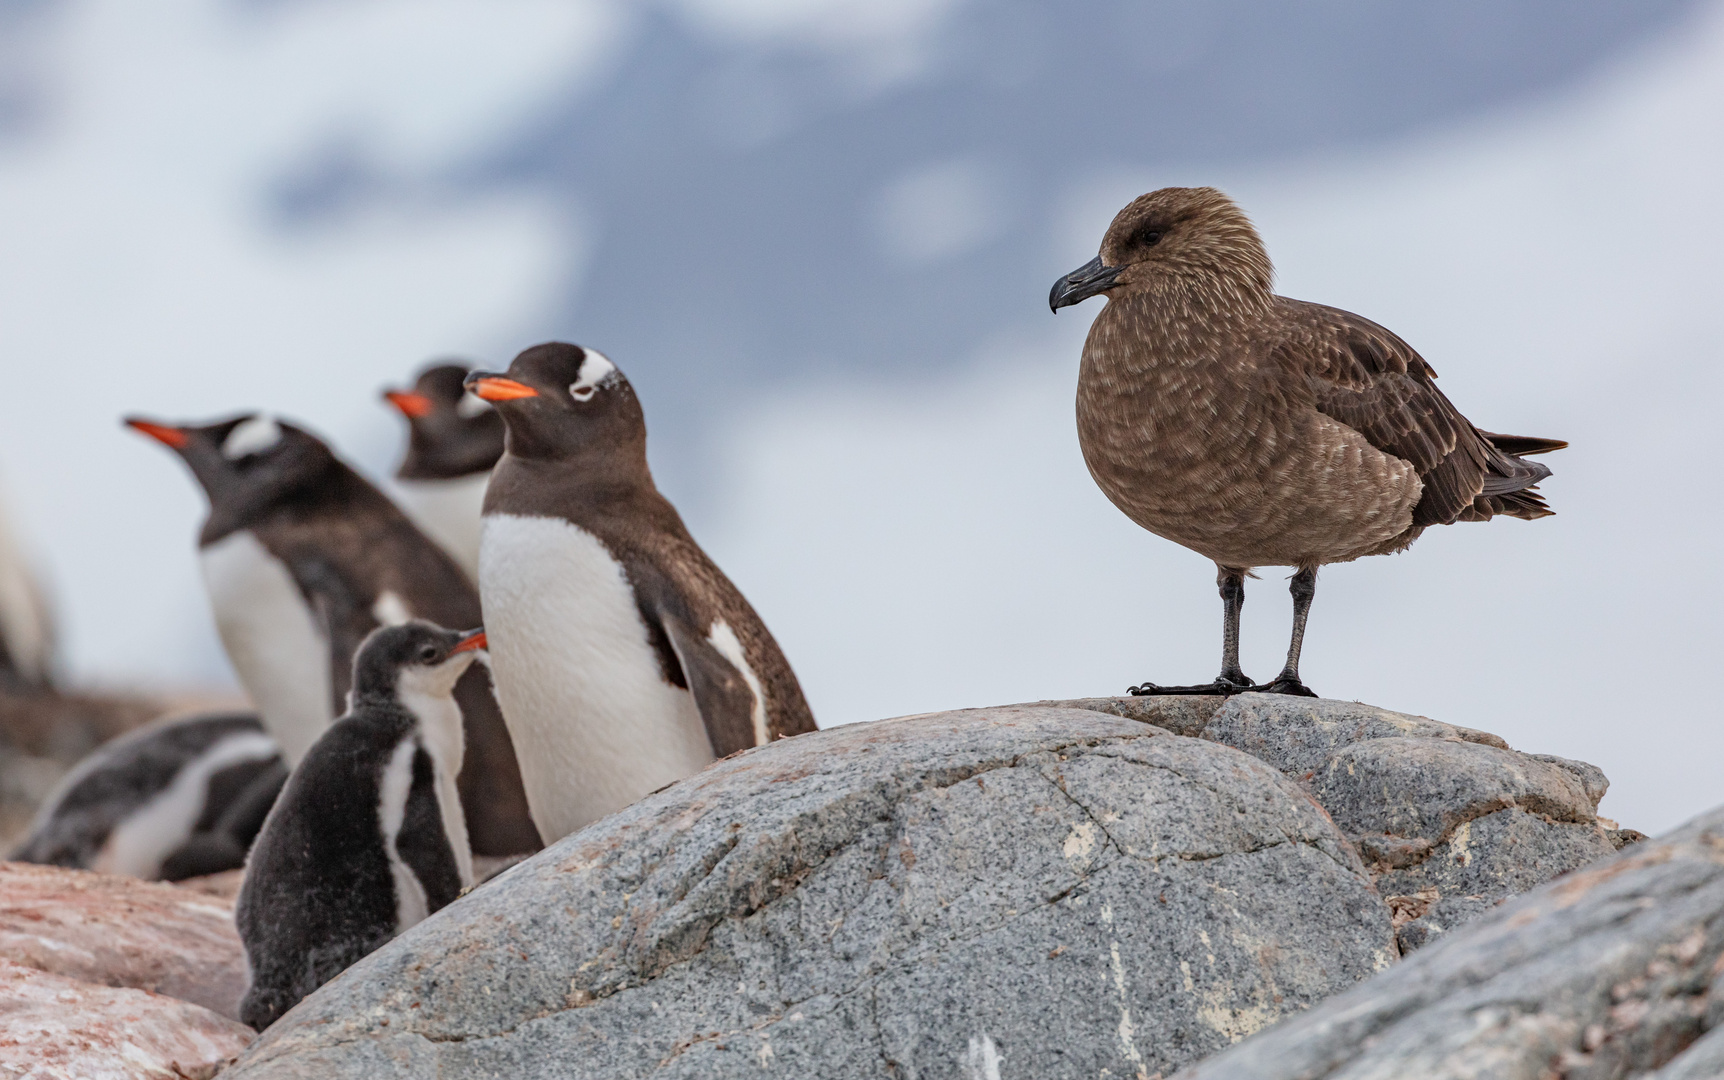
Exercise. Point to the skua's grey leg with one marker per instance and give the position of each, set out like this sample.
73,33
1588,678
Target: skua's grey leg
1232,680
1303,588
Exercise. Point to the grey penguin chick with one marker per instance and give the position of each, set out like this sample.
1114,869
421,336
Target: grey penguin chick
172,800
368,836
1258,430
302,558
453,440
624,658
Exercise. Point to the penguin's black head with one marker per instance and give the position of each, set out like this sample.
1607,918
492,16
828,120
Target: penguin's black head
246,464
562,400
415,658
451,433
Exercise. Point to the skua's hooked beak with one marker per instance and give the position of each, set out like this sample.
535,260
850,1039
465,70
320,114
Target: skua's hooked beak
484,385
475,639
1086,281
412,405
162,433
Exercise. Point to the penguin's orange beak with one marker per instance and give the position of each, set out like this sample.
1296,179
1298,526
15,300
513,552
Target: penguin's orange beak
498,388
412,405
475,640
170,436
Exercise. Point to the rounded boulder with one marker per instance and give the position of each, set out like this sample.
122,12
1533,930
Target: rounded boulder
1044,890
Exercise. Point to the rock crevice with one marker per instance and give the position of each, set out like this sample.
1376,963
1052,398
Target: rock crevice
1450,821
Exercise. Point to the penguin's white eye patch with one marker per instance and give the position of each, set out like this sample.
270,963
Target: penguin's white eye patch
252,436
470,406
595,369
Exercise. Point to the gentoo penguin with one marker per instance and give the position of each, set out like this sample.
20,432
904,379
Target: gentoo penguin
26,637
171,800
1262,431
624,658
302,558
453,439
368,836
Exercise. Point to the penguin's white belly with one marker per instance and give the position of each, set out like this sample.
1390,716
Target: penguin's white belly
594,723
24,627
271,639
448,511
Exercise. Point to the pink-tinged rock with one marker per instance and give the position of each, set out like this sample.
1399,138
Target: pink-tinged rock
122,932
56,1028
225,884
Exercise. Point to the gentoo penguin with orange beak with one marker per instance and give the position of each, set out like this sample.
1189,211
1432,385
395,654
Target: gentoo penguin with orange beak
453,439
368,837
624,658
302,558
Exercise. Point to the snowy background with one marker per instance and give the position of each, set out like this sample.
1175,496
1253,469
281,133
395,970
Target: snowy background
819,234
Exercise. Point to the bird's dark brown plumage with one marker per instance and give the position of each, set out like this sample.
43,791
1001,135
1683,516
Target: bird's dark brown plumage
1260,430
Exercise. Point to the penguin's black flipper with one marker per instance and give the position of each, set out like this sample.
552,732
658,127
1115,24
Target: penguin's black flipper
422,843
726,701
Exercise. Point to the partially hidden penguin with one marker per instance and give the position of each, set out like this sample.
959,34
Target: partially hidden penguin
1258,430
368,837
26,631
624,658
175,799
453,440
302,558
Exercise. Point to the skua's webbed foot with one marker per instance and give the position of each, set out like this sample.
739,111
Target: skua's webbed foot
1219,686
1285,685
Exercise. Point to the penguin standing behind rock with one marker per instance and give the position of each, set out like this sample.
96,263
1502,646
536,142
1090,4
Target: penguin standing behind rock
624,658
303,558
368,837
453,439
173,800
26,636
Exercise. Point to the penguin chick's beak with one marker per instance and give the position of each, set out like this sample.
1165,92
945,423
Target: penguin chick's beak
497,387
169,436
412,405
474,640
1088,280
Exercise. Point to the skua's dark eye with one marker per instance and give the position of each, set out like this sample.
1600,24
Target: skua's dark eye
1149,237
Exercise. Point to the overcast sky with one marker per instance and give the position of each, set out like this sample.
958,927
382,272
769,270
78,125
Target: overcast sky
824,260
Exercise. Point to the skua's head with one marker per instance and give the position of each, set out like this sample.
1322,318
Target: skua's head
560,400
245,463
413,659
1185,237
451,432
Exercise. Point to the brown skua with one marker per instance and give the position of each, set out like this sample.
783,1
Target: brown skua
1258,430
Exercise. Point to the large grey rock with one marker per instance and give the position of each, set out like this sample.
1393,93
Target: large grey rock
1611,972
1066,893
1450,821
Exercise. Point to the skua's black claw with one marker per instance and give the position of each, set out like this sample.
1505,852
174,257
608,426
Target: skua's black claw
1219,686
1285,686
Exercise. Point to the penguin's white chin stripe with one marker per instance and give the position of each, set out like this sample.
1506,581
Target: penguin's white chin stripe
439,681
